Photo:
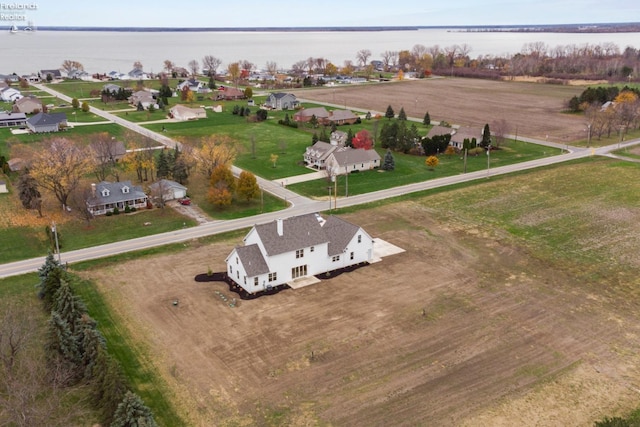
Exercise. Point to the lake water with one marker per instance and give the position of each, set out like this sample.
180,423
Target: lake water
24,53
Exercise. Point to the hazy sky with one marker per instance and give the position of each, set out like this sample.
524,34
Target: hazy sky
325,13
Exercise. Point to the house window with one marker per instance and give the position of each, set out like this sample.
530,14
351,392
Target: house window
351,257
335,258
312,249
245,280
255,281
125,190
238,274
299,253
231,269
359,238
273,277
236,260
299,271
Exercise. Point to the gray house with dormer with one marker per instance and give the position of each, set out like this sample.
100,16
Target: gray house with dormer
106,196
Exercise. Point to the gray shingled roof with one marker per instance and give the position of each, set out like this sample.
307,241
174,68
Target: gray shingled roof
43,119
439,130
115,193
339,233
319,112
348,156
342,115
304,231
320,150
298,232
252,260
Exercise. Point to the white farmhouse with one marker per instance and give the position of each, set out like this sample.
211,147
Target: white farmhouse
281,251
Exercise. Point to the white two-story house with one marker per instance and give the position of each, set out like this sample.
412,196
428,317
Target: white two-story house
281,251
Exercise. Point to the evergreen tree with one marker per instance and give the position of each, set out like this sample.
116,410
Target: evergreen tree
139,107
92,343
69,307
402,115
212,83
334,127
427,119
314,138
108,385
50,263
287,120
323,134
313,121
350,136
389,163
28,192
62,347
50,286
389,114
486,136
132,412
162,167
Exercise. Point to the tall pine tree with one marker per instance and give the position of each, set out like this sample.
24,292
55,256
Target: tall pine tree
133,412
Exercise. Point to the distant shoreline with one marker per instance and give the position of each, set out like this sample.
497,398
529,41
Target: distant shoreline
630,27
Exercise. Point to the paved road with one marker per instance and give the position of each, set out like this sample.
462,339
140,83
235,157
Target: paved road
298,205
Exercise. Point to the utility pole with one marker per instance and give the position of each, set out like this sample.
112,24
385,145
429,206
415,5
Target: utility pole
55,235
488,159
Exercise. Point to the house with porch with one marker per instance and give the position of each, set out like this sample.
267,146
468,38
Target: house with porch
316,155
12,119
462,133
281,101
43,122
281,251
106,196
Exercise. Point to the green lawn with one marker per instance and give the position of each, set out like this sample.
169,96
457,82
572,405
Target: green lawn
25,242
410,169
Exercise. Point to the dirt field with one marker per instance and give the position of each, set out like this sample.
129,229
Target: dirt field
464,328
535,109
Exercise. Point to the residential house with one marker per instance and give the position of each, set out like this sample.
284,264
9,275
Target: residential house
339,138
110,150
347,160
168,190
113,89
229,93
28,105
12,119
143,97
462,133
305,114
281,251
194,86
79,75
32,78
316,155
9,94
340,117
116,75
138,74
182,113
55,74
281,101
43,122
106,196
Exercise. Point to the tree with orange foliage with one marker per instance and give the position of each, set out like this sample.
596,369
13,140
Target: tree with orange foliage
60,166
627,108
363,140
432,162
216,150
223,185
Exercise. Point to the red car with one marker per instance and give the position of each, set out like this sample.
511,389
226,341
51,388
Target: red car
186,201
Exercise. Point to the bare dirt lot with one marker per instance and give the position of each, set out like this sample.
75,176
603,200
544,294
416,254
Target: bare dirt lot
534,108
464,328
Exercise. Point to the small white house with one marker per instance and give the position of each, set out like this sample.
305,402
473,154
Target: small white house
281,251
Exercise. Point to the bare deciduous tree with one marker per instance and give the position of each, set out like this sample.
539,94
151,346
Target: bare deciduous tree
211,64
362,56
194,66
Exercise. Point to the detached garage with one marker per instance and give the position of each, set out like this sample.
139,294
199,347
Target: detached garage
170,190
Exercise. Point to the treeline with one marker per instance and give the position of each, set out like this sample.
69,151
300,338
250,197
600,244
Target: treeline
76,352
608,110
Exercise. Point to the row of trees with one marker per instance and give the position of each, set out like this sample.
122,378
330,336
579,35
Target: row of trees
608,109
76,352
